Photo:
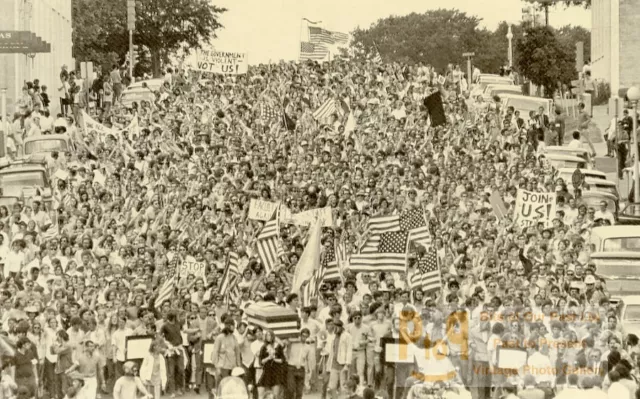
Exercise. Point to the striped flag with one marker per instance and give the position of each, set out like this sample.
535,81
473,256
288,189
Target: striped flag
319,35
377,58
310,290
268,114
415,222
375,228
327,109
231,274
427,274
329,263
313,51
391,255
269,247
166,291
340,38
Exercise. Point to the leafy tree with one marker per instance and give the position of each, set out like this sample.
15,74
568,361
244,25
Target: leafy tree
437,37
544,59
162,26
570,35
549,3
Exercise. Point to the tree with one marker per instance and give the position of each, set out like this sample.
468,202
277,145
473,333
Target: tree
162,26
544,59
570,35
437,37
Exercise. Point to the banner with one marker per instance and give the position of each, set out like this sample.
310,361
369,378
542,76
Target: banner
307,218
532,208
261,210
92,126
223,62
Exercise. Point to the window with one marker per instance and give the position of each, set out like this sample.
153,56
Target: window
632,313
45,146
623,244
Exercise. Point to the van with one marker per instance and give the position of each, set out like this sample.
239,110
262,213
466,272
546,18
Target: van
526,104
561,161
493,90
577,152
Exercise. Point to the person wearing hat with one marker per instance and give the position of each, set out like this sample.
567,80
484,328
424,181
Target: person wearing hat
129,385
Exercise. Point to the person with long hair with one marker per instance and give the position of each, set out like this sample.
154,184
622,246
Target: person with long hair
226,351
271,361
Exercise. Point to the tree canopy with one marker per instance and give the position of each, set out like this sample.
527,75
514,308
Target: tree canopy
162,26
545,59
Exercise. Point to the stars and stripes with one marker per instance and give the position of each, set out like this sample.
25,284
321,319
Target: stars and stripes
329,263
340,38
427,274
313,51
320,35
166,290
376,57
327,109
415,222
375,228
268,245
231,274
268,113
390,256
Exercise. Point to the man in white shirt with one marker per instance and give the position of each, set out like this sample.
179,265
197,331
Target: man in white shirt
604,213
575,143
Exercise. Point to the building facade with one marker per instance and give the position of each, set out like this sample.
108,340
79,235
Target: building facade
51,21
615,42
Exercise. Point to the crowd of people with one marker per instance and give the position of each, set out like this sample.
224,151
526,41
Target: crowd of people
83,270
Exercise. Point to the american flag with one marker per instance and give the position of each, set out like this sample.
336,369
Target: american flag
313,51
328,108
166,291
427,274
319,35
310,290
415,222
231,274
340,38
391,255
376,57
375,228
268,114
269,247
329,264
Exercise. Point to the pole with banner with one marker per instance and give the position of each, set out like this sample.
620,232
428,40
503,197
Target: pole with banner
131,26
469,56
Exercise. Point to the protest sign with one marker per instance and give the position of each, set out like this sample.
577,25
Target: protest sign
261,210
532,208
91,125
306,218
191,266
224,62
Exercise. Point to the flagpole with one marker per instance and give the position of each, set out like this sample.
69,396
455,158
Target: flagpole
300,37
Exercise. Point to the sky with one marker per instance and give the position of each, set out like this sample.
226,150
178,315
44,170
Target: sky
271,30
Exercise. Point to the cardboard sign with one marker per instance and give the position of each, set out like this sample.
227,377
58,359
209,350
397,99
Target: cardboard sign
532,208
223,62
307,218
261,210
498,205
191,266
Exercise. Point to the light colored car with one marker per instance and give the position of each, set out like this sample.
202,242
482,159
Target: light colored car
484,80
629,313
153,84
616,239
567,173
593,199
576,152
604,186
137,95
562,161
526,104
46,144
24,179
493,90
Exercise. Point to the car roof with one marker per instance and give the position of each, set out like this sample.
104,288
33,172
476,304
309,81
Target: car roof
630,299
563,157
561,148
149,82
600,194
606,232
48,137
532,99
585,172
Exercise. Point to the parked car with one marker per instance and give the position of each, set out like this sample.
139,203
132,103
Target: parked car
46,144
526,104
629,313
561,161
630,215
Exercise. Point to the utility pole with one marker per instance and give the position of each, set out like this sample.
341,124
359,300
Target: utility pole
131,26
469,77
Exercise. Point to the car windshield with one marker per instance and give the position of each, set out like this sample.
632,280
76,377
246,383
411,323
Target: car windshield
34,147
621,244
137,96
632,313
22,179
595,202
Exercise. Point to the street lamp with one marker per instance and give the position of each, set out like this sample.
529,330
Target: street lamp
633,94
510,39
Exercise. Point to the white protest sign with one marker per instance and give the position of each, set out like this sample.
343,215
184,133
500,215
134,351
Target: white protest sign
191,266
91,125
532,208
261,210
306,218
224,62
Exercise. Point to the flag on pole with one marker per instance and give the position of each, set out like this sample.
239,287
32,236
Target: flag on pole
319,35
330,267
415,222
268,114
340,38
309,260
427,274
325,110
313,51
390,256
311,22
166,291
231,274
269,247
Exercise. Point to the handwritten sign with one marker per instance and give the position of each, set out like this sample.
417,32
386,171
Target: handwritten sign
261,210
93,127
307,218
223,62
532,208
194,267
